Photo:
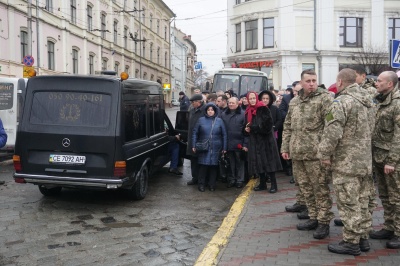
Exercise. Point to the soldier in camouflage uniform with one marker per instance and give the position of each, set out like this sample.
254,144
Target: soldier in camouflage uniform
345,148
367,86
302,132
386,156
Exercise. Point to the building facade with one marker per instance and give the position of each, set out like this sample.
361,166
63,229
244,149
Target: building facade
282,38
86,37
183,56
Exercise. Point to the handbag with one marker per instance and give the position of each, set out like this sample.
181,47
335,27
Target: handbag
204,146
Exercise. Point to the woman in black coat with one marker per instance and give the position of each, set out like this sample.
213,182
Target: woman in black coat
268,98
263,154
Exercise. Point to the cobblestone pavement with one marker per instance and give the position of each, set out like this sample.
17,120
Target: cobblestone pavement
171,226
266,235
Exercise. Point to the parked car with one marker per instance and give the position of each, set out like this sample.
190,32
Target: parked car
96,132
175,102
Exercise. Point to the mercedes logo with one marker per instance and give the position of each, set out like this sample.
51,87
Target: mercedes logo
66,142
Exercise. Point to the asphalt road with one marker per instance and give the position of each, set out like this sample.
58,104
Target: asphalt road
171,226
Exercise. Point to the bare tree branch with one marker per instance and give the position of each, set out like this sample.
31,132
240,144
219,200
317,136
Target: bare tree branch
374,59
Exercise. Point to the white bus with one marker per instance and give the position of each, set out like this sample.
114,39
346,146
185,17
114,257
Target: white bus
11,101
240,80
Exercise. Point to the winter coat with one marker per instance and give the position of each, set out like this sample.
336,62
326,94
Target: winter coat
284,106
235,123
217,138
263,154
347,134
3,135
194,115
275,112
184,103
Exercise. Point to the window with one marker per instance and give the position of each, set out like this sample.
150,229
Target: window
135,47
158,26
50,55
89,18
151,51
74,61
306,66
251,34
158,55
104,64
351,34
116,67
238,37
135,117
155,115
143,17
137,73
24,44
103,25
237,2
135,5
144,51
165,33
268,32
125,37
49,5
91,64
166,60
127,69
394,28
115,31
73,11
151,22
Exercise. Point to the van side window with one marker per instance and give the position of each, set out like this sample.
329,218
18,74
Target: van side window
135,121
155,115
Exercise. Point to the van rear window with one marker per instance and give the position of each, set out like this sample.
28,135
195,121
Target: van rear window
71,109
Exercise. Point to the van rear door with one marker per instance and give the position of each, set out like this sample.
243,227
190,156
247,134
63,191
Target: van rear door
69,126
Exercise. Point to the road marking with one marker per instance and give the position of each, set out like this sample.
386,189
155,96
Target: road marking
220,239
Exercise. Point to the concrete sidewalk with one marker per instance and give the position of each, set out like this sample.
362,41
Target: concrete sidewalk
258,231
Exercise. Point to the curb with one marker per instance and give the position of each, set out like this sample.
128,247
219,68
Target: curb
221,237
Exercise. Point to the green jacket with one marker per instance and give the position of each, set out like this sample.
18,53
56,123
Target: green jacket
304,124
386,136
346,140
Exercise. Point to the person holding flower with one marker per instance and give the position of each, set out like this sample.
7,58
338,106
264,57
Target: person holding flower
234,121
263,155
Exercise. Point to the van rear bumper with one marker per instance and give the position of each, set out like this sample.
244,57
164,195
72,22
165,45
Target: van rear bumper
73,181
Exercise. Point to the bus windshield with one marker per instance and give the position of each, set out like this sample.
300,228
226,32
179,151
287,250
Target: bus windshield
240,84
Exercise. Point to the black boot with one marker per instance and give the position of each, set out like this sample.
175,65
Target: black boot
274,186
394,243
322,231
296,208
303,215
309,225
345,248
263,183
338,222
381,234
364,245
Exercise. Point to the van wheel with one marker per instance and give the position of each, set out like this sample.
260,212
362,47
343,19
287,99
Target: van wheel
139,189
49,191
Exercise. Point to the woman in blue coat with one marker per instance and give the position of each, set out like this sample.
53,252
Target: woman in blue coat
3,141
209,127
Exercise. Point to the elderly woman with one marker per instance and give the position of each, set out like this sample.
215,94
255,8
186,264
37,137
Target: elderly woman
263,155
209,128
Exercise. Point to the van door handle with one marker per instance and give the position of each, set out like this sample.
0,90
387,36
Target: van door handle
155,144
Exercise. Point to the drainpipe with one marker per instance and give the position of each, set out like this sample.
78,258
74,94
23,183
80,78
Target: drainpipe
37,37
315,42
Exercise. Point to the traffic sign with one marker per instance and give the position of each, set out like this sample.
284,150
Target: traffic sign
25,74
198,65
28,60
395,53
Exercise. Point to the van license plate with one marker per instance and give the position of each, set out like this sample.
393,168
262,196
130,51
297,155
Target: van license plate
67,159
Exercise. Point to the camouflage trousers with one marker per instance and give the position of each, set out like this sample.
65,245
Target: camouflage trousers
299,196
314,185
389,193
352,198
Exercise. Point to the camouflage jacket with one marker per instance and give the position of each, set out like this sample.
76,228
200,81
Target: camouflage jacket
304,124
346,140
386,136
369,86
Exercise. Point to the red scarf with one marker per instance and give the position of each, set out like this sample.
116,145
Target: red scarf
252,109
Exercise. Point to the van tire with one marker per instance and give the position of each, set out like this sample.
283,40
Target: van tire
49,192
139,189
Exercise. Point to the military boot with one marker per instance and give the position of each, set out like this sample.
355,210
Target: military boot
263,183
309,225
303,215
322,231
296,208
338,222
394,242
274,185
381,234
345,248
364,245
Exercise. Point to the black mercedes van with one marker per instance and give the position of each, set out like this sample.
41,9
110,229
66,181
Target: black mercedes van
97,132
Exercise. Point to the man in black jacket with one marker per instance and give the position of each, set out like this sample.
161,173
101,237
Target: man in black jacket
183,102
195,113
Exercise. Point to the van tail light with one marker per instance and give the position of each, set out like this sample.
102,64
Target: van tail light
17,163
120,169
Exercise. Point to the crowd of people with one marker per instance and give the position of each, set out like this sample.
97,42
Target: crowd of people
344,137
